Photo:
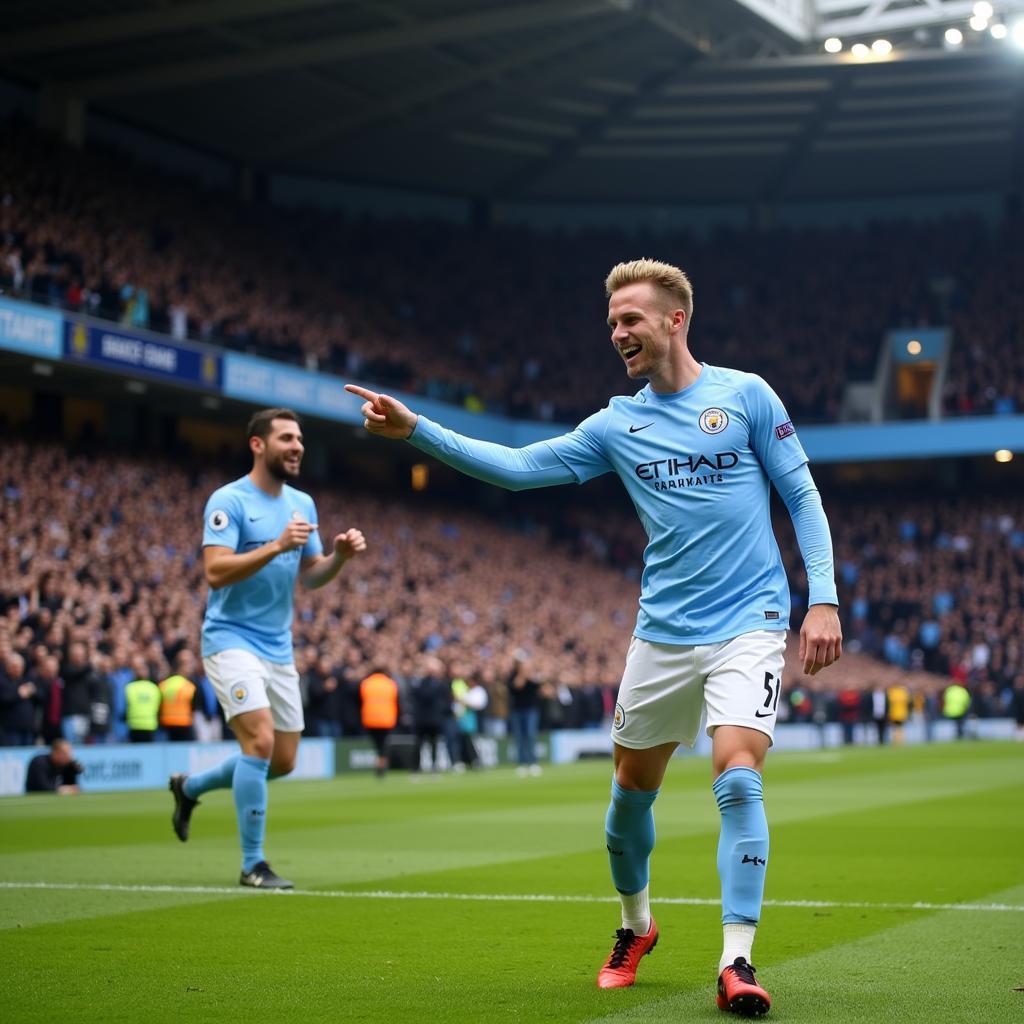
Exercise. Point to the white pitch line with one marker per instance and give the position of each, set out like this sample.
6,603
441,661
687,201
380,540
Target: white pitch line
473,897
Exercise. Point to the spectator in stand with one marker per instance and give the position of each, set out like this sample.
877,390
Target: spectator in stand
849,703
469,699
21,704
880,712
82,687
325,697
101,708
431,701
48,679
524,713
54,772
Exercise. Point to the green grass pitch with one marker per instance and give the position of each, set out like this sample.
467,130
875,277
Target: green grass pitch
895,893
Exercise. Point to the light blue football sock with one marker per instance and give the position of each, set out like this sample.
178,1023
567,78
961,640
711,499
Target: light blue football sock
249,788
742,844
218,777
629,835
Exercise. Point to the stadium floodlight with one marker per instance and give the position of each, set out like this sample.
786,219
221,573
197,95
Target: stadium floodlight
954,37
999,30
1004,455
1017,33
978,23
914,347
881,47
983,9
833,44
860,51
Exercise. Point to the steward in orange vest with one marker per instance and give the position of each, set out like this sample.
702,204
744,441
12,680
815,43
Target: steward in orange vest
379,696
177,698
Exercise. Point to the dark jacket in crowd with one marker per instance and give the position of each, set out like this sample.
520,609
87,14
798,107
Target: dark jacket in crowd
324,705
21,714
431,700
81,688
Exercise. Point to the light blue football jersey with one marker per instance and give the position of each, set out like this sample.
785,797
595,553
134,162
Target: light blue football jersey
255,614
698,465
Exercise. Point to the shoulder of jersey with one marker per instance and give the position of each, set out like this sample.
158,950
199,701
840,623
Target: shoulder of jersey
226,491
296,493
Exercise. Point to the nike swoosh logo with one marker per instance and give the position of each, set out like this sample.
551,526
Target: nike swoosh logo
767,714
634,430
252,519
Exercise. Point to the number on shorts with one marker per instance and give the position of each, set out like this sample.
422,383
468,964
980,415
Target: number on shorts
771,700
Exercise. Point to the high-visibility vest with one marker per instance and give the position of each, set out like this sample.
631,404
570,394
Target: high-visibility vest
899,704
176,704
379,694
142,705
955,701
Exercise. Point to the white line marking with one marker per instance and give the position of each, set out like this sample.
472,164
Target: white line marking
473,897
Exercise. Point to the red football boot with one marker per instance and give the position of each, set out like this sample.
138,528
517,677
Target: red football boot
740,993
619,970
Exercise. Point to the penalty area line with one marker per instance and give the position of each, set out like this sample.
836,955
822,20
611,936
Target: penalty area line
475,897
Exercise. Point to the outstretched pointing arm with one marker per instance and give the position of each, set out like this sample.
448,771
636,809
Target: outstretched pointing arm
536,465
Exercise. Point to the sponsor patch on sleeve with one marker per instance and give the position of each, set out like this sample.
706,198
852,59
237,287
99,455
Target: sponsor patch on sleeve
784,430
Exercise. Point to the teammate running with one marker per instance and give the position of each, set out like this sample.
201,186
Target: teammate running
697,449
260,535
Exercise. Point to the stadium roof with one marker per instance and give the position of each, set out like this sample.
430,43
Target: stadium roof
609,100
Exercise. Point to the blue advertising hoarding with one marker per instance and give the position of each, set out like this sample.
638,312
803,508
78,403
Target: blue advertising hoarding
111,767
119,349
31,330
269,383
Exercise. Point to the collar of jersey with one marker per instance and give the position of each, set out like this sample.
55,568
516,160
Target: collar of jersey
678,396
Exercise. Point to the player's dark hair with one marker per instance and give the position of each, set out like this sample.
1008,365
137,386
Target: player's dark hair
260,423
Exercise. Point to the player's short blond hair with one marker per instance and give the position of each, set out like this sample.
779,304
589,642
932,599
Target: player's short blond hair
662,275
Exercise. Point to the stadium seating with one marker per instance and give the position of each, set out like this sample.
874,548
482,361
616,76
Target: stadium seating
504,318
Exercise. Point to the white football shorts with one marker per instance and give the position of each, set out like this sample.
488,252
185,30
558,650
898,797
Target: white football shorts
667,688
246,682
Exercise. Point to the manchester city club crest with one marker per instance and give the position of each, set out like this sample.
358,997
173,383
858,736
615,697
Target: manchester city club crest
620,717
713,421
238,694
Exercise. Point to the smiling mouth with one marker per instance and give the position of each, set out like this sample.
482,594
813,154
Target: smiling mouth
629,351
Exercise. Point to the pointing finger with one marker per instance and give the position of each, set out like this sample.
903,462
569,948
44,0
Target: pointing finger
355,389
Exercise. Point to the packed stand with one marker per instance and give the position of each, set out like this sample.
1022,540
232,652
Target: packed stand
504,319
101,589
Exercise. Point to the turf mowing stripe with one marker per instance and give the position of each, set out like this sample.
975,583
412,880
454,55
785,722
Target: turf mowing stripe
380,894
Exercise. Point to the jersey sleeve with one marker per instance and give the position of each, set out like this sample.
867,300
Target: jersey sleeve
313,547
582,450
516,469
222,520
772,434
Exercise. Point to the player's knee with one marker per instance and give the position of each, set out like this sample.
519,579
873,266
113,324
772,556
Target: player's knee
280,766
738,785
260,744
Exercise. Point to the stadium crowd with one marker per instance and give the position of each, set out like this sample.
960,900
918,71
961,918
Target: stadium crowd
101,585
500,318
